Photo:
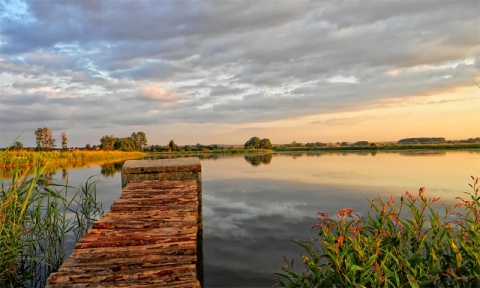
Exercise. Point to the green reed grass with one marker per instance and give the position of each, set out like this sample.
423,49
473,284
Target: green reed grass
396,245
14,158
35,221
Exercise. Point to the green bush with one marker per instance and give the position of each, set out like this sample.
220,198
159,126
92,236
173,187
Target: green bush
396,245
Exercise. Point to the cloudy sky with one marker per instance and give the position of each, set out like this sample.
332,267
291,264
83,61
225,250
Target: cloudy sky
224,71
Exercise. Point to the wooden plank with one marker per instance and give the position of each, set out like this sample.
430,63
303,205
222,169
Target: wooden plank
135,258
149,214
163,185
168,274
139,224
149,202
156,195
120,207
166,232
158,248
177,284
145,219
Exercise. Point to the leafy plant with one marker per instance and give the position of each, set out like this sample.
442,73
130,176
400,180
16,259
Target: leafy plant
396,245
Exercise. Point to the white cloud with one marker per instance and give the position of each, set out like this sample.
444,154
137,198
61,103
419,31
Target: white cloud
342,79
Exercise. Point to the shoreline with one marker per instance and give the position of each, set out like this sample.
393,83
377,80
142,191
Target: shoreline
24,158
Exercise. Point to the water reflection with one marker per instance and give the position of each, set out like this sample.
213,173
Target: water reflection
257,160
252,216
249,226
423,153
109,169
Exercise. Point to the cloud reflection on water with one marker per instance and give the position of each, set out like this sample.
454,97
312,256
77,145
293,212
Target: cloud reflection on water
249,225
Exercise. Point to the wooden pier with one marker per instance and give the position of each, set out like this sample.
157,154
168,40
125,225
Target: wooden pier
150,238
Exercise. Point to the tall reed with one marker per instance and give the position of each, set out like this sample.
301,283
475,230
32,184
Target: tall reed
36,220
397,245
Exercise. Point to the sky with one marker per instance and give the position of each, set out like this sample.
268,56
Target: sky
221,72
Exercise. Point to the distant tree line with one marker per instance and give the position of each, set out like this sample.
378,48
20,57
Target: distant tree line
136,142
321,144
173,147
422,140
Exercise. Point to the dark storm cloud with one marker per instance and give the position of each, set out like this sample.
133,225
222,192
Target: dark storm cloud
230,61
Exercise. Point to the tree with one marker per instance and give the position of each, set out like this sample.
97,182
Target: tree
88,146
48,140
107,142
64,141
253,143
141,139
39,138
126,144
17,145
361,143
173,146
256,143
44,139
265,144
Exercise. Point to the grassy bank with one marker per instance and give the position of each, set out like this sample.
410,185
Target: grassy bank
17,158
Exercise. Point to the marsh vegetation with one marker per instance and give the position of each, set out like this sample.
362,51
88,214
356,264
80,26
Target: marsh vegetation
37,219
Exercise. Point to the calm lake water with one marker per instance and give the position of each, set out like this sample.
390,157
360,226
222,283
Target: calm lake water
255,206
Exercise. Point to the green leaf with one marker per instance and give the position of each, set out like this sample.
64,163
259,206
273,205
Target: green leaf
356,268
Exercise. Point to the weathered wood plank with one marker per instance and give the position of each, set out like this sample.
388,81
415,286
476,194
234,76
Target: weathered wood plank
119,207
143,216
133,261
149,202
156,195
177,284
150,214
164,185
179,248
120,251
168,274
165,232
135,224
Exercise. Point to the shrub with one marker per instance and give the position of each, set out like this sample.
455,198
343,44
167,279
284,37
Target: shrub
397,245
